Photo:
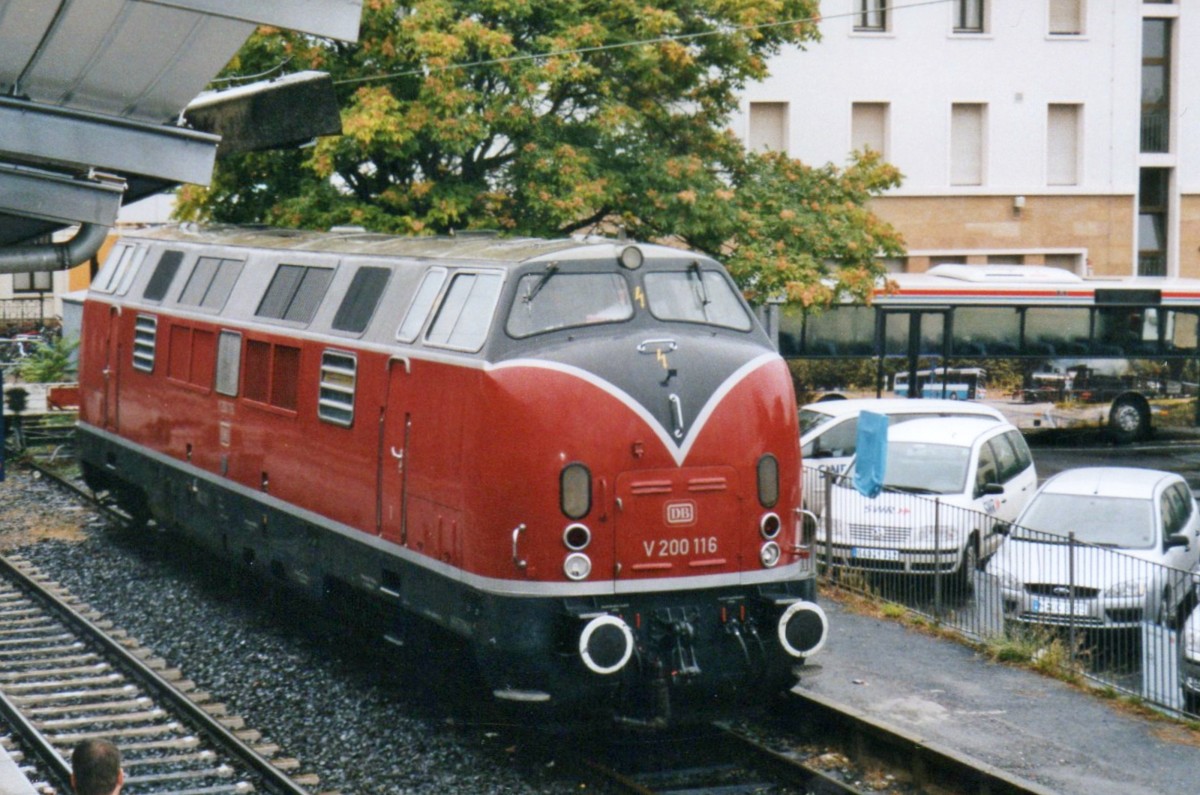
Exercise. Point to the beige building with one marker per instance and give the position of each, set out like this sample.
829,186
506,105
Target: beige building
1051,132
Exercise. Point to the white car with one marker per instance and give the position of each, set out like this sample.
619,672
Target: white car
829,432
1139,539
950,485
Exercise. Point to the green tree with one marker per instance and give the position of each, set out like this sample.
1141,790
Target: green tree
50,362
564,116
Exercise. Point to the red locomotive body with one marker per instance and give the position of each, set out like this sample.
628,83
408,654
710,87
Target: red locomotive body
581,456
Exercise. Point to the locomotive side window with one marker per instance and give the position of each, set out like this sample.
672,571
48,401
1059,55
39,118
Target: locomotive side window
145,338
358,305
335,403
229,360
549,300
463,319
164,274
695,296
119,269
295,293
421,304
211,282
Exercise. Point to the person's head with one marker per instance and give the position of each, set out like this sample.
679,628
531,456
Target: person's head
96,768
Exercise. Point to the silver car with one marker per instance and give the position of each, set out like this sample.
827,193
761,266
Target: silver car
1138,539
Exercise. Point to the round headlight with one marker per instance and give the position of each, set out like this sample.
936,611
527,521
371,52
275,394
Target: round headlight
631,257
577,566
577,536
769,525
769,554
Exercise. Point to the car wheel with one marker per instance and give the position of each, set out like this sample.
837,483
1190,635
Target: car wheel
1191,702
969,563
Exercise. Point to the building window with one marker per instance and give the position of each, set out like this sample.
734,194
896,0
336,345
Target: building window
1156,84
1066,17
968,16
868,126
1153,195
40,282
1062,144
872,16
966,143
768,126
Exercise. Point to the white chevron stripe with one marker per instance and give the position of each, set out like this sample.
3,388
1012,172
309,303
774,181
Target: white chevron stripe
678,452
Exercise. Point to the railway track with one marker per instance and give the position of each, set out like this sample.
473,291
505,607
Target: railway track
66,675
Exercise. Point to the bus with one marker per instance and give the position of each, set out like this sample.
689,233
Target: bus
1060,350
952,383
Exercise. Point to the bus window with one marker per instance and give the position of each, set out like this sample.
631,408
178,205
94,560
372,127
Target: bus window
1126,330
986,330
839,331
1181,333
1057,331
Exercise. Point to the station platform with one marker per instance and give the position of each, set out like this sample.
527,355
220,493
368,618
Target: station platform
1050,733
12,780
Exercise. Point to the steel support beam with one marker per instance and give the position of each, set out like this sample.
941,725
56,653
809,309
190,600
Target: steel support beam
34,133
58,198
336,19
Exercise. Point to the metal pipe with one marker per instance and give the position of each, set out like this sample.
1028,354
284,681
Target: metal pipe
54,256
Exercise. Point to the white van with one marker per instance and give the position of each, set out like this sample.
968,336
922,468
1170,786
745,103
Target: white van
948,484
829,432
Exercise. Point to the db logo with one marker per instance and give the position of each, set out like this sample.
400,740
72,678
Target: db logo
679,513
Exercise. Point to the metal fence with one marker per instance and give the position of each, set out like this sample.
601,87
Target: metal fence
1108,615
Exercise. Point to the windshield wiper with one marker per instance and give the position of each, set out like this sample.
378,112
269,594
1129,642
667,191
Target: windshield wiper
551,269
701,290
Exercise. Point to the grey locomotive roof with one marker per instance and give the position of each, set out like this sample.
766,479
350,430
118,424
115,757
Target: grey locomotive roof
473,247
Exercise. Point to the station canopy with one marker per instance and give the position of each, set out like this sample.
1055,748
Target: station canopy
93,95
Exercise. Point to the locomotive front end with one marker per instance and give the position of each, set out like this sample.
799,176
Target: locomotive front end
673,562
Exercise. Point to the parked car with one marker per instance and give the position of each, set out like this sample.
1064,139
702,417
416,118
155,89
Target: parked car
1138,537
949,482
829,432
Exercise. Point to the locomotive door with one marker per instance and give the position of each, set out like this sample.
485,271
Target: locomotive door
395,435
112,370
677,523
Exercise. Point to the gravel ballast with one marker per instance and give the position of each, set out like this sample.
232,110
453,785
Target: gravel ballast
365,718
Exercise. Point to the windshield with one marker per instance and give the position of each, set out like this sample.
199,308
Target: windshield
696,296
923,468
810,419
552,300
1109,521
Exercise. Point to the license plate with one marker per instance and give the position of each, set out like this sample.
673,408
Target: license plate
1061,607
874,553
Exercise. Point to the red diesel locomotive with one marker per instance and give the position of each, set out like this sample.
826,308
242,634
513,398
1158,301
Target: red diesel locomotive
581,456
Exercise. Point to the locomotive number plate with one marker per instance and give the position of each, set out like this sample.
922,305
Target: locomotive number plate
673,547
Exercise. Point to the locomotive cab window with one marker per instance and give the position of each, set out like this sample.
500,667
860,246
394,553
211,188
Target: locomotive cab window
549,300
696,295
295,293
465,314
119,269
422,303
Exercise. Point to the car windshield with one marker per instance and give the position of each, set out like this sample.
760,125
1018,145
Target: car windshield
550,300
1108,521
810,419
696,296
923,468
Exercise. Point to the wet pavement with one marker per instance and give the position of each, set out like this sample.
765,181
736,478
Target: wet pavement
1066,738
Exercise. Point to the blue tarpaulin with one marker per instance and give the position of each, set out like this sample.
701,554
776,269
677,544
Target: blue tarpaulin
870,465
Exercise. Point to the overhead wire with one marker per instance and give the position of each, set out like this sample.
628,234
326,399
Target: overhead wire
626,44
